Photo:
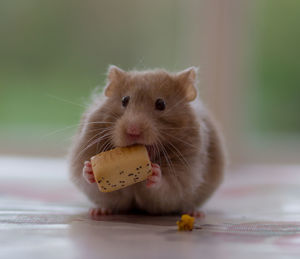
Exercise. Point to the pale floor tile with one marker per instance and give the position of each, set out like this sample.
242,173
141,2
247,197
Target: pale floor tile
255,214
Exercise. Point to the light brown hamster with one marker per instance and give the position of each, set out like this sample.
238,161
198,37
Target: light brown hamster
162,111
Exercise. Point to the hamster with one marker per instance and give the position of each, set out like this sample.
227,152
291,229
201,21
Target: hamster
162,111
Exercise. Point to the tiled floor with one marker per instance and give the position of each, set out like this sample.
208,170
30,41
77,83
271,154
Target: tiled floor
255,214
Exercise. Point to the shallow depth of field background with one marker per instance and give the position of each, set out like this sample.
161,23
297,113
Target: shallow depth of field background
54,53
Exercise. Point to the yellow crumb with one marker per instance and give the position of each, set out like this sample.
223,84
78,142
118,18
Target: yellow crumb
186,223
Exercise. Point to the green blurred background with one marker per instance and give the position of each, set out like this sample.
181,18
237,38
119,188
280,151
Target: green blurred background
54,53
276,67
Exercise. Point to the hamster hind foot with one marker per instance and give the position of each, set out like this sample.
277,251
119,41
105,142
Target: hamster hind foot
94,212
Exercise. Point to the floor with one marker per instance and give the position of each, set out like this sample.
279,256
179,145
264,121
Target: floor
256,213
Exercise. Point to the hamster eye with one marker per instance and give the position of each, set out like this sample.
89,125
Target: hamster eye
160,104
125,101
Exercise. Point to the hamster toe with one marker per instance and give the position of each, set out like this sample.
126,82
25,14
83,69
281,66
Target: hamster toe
156,171
94,212
88,164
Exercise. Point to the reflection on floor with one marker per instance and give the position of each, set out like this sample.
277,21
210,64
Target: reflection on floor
256,213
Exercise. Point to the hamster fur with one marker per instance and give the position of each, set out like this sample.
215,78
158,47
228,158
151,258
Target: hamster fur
182,139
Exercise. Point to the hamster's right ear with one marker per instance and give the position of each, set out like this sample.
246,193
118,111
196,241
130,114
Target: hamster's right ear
114,74
187,79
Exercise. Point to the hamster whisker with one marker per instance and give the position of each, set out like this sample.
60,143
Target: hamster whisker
97,138
72,126
108,139
65,100
86,148
93,142
106,147
60,130
102,129
104,136
179,155
180,140
98,150
99,122
96,135
158,153
155,151
165,154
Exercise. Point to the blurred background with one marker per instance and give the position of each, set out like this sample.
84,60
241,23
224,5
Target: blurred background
54,53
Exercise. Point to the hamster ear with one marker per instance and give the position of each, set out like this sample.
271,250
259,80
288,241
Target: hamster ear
114,74
187,78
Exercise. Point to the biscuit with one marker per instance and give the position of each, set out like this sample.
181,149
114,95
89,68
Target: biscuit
121,167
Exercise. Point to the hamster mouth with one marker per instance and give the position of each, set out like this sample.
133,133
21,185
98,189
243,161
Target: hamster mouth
151,149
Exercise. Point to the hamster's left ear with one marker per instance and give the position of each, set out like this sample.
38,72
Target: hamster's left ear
114,75
187,79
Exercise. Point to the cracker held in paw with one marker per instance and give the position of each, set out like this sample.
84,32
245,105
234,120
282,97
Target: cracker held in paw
120,167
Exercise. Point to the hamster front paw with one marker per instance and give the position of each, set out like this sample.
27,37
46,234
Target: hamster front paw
87,172
154,180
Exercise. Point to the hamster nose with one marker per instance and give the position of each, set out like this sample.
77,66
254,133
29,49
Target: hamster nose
133,131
